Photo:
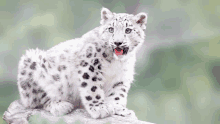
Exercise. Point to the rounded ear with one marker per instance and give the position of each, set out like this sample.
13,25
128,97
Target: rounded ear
141,19
106,14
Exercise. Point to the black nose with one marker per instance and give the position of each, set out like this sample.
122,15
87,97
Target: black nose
117,43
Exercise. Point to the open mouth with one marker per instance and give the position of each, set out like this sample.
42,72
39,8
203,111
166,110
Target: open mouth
118,51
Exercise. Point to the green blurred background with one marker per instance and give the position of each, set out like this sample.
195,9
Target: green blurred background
178,67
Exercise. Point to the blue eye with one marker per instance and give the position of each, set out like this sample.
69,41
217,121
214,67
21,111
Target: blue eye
111,30
128,30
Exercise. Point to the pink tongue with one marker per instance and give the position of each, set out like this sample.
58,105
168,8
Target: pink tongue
118,52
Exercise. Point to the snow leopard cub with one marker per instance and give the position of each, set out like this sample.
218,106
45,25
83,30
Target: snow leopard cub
94,71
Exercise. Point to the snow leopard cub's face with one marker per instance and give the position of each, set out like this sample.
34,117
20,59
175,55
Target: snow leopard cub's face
122,32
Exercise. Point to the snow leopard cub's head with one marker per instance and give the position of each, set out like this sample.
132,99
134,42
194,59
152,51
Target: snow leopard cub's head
123,32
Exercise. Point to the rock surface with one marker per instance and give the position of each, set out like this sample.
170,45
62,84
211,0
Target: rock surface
17,114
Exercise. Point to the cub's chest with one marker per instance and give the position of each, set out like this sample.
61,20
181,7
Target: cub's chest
114,70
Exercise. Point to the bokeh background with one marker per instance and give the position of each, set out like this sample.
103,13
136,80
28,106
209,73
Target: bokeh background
178,67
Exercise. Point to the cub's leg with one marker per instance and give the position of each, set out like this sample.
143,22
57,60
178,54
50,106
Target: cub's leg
29,73
90,86
117,96
38,86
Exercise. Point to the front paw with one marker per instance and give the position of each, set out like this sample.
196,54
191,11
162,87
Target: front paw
101,110
124,112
